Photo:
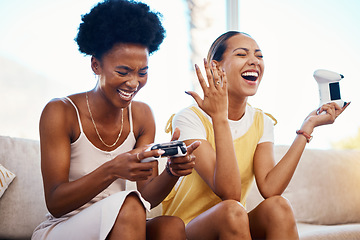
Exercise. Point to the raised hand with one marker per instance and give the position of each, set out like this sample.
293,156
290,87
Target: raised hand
215,92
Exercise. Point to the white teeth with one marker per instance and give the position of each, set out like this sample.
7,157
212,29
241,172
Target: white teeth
125,94
252,74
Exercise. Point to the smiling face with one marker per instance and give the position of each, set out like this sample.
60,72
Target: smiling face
243,64
122,72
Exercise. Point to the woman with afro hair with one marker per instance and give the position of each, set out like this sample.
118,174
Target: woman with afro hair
93,142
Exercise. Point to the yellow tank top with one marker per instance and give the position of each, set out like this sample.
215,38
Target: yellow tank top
191,196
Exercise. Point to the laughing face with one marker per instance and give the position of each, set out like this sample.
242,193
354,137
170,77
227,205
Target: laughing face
122,72
243,64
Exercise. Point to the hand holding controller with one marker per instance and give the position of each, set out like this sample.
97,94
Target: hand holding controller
172,149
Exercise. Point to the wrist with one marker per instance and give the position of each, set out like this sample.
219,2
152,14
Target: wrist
168,170
307,127
108,171
219,119
307,136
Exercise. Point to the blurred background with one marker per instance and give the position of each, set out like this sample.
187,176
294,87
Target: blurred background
39,59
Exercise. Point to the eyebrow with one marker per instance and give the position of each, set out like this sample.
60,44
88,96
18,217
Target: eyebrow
144,68
246,49
129,69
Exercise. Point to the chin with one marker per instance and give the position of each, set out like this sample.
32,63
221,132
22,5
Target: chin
251,92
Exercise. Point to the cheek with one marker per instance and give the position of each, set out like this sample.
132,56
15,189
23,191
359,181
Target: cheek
262,68
142,83
233,76
228,70
234,83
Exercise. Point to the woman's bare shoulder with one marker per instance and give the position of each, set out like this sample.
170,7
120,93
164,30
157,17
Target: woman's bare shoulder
140,109
58,113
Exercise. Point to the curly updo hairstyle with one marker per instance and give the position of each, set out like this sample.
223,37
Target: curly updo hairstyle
119,21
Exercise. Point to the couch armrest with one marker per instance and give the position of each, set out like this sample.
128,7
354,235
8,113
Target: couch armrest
22,207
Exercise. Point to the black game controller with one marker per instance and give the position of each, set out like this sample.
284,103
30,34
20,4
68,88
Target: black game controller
172,149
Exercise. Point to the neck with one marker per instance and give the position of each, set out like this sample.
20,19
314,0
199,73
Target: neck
237,109
102,109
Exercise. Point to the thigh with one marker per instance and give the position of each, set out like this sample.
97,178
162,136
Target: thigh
130,222
94,222
204,225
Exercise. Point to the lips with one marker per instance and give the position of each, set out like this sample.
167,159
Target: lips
250,75
126,95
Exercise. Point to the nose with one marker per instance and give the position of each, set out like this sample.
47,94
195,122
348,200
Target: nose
253,60
133,83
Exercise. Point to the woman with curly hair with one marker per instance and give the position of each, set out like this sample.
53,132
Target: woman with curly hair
237,143
93,142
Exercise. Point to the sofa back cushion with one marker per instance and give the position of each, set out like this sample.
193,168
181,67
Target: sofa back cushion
22,207
325,188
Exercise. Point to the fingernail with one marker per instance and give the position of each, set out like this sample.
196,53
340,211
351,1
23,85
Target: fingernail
196,66
205,61
161,152
212,64
187,93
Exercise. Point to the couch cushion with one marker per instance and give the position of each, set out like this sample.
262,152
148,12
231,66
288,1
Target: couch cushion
22,207
325,186
326,232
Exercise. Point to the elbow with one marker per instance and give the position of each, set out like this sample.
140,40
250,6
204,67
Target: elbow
55,212
56,215
228,192
55,209
265,195
269,193
230,195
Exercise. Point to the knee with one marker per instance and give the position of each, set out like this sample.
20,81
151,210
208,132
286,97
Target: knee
133,208
172,225
165,227
131,218
280,210
233,214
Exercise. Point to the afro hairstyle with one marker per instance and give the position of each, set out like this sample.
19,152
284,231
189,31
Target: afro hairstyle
119,21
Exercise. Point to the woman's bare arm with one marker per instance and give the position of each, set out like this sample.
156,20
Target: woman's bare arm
273,179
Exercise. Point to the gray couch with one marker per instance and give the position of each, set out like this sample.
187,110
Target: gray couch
325,192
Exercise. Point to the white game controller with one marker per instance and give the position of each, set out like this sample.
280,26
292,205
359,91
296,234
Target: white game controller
172,149
329,87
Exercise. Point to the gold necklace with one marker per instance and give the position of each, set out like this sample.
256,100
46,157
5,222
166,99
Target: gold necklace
97,132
